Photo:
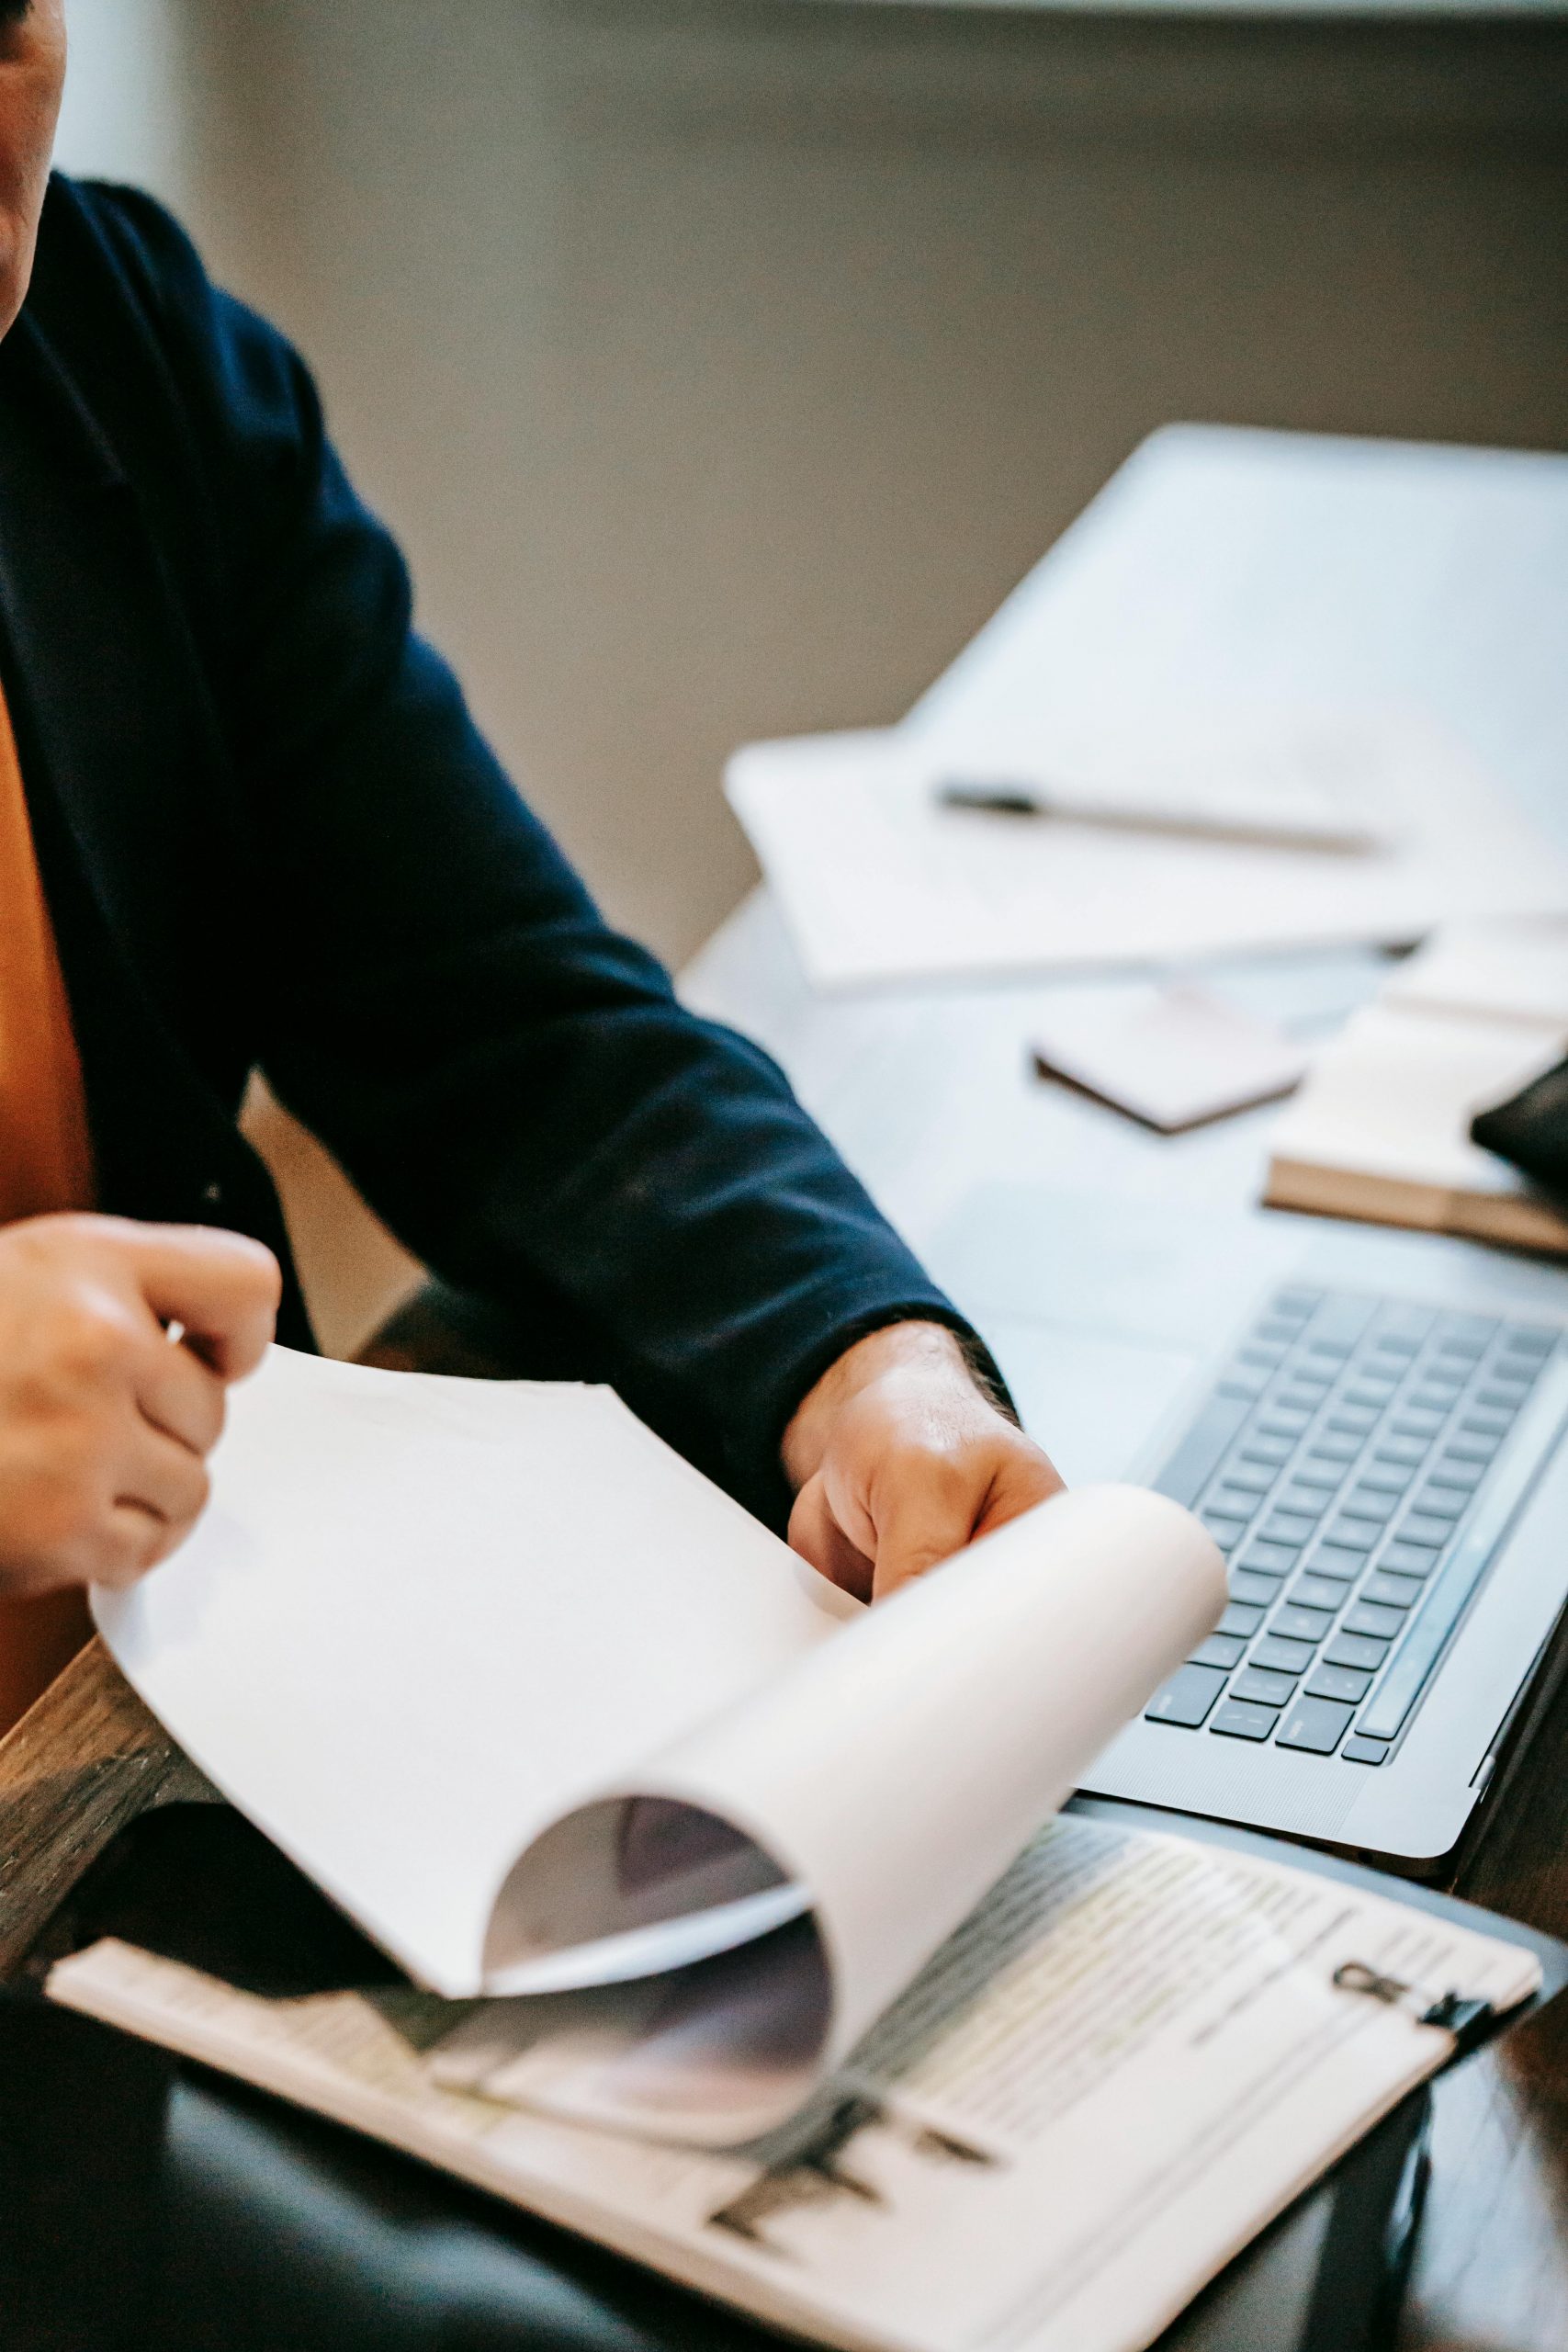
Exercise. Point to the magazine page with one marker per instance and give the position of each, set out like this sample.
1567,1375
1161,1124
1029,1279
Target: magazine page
1122,2065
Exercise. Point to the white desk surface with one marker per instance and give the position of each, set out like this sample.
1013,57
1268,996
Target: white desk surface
1102,1262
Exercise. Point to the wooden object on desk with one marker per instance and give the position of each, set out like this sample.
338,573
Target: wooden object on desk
84,1759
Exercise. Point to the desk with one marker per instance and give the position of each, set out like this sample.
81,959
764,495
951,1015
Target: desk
928,1092
929,1095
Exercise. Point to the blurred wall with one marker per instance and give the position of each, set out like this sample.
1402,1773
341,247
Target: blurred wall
722,363
129,103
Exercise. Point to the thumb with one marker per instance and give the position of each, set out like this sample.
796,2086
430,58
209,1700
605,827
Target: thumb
925,1522
816,1535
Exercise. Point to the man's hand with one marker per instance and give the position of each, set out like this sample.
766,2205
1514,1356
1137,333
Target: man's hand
105,1415
898,1460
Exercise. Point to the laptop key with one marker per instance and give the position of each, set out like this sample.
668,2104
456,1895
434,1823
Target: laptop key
1340,1682
1301,1624
1368,1503
1440,1502
1273,1559
1317,1478
1312,1591
1288,1527
1241,1617
1257,1683
1283,1657
1187,1698
1227,1533
1408,1559
1470,1446
1277,1423
1420,1527
1455,1476
1245,1478
1529,1338
1375,1617
1316,1725
1385,1478
1237,1720
1220,1649
1359,1650
1337,1562
1358,1749
1269,1452
1249,1584
1230,1503
1399,1592
1402,1451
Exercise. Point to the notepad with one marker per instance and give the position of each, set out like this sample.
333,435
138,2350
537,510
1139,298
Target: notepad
1171,1058
1381,1128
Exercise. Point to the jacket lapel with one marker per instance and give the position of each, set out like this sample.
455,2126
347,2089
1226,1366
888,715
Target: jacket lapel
108,699
128,778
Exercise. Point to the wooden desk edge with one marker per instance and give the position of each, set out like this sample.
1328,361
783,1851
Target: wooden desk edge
86,1759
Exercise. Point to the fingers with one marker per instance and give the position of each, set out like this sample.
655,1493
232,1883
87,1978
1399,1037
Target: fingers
162,1490
223,1287
135,1539
177,1393
816,1535
163,1476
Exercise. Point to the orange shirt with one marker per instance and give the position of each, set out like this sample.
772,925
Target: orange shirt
45,1163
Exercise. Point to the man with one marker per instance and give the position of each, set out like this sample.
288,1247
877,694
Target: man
245,821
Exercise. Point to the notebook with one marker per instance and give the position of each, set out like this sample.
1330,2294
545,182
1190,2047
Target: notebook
737,1926
1381,1129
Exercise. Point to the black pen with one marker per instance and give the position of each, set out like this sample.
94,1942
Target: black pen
1294,830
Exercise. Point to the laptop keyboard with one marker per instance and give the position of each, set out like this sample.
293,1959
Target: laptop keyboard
1357,1462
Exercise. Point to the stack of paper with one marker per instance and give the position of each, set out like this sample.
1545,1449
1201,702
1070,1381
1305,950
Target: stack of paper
1381,1128
1260,623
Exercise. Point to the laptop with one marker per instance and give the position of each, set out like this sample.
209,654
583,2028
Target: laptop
1379,1445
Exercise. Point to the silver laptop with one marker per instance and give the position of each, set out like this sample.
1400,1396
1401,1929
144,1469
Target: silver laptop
1379,1448
1386,1479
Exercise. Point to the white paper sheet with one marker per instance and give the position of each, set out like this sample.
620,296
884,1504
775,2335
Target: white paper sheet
880,882
422,1618
465,1649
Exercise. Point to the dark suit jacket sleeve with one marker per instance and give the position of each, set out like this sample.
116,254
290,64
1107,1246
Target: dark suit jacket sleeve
512,1084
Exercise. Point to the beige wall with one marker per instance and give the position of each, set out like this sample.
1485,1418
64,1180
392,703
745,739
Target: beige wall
723,365
723,362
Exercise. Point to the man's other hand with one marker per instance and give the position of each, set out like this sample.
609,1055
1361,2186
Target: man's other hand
898,1460
107,1414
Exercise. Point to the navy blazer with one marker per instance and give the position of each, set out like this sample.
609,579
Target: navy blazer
272,837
